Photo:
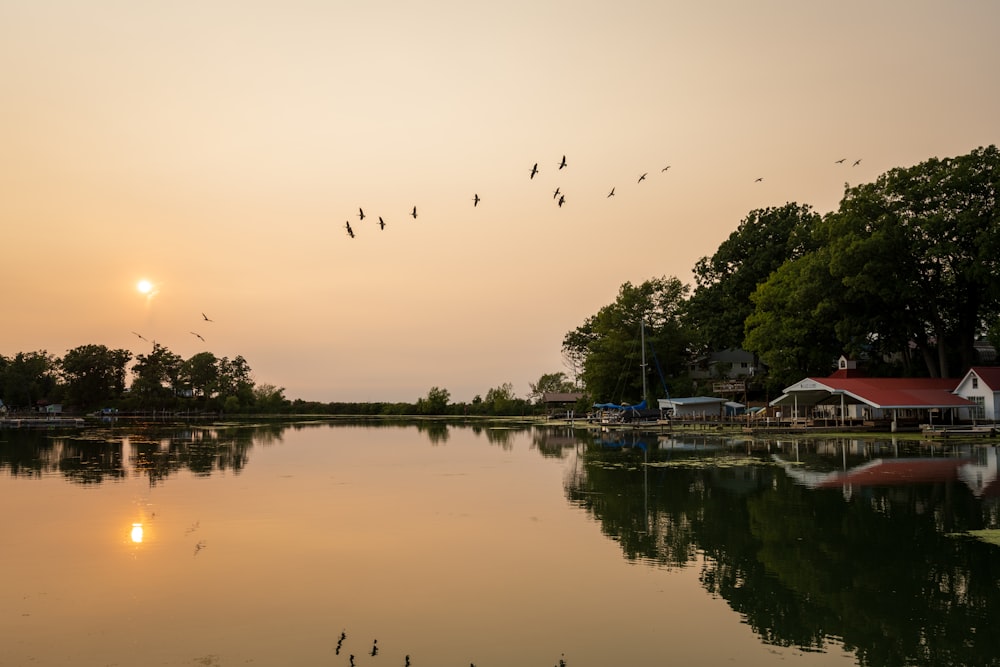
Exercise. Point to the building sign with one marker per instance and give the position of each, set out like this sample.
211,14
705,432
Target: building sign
728,387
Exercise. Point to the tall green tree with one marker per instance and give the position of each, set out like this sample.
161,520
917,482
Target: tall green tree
608,344
27,378
909,261
201,373
269,398
235,381
436,402
793,325
921,245
502,400
550,383
764,240
157,377
93,374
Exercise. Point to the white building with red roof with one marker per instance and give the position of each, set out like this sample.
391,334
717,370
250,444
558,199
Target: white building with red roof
848,397
981,387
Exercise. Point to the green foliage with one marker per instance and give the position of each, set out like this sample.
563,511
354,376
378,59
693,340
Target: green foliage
608,343
27,378
502,401
94,375
436,402
157,377
550,383
764,240
792,327
201,374
270,399
918,251
906,263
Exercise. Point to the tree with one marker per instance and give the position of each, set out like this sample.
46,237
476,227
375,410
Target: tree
501,400
235,380
269,398
27,378
792,327
909,261
608,343
764,240
201,373
549,383
920,248
93,374
157,376
436,402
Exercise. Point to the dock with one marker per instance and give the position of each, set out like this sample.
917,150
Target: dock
41,422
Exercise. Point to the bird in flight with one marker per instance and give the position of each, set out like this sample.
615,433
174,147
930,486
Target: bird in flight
475,200
205,317
381,223
556,193
534,170
642,178
562,200
361,213
414,213
840,161
665,168
759,179
563,163
612,193
198,335
140,336
856,163
350,232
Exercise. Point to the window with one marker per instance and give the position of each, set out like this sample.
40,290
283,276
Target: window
978,410
975,382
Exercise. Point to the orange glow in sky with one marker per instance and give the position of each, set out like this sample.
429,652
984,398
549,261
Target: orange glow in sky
224,148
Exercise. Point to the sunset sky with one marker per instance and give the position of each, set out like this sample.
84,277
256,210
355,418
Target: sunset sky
217,149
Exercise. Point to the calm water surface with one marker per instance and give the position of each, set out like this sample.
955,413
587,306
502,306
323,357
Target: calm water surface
494,546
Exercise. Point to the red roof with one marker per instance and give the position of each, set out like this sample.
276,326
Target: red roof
899,392
988,374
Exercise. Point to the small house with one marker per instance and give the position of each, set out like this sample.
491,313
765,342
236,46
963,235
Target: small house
693,407
981,387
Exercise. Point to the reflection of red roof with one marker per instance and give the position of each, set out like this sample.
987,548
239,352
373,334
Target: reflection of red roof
886,472
899,392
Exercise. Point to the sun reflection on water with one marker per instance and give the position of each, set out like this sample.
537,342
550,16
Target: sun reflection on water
136,533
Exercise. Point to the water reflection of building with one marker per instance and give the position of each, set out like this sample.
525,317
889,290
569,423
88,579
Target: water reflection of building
981,474
975,466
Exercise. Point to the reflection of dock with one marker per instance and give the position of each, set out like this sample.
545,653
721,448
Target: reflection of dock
41,422
983,431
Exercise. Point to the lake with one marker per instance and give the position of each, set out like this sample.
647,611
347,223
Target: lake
434,544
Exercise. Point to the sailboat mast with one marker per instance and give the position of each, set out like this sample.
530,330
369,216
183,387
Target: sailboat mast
642,338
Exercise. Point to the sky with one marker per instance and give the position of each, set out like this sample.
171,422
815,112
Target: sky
218,150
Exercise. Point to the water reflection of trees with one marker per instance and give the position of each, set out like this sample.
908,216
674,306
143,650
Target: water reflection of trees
96,456
877,571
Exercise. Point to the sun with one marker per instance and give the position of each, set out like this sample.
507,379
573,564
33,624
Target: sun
144,286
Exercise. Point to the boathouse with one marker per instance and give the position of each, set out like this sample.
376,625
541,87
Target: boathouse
847,398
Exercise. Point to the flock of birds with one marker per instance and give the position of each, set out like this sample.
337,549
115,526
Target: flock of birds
558,195
204,318
406,659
